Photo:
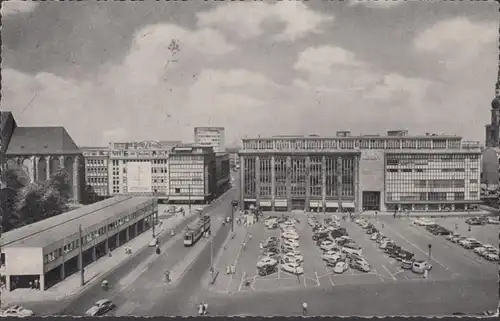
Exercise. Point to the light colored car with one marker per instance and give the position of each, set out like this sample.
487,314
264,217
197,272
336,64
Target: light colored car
288,258
481,250
352,248
17,311
383,239
361,265
493,220
291,243
420,266
270,221
467,241
329,247
450,237
294,252
406,264
101,307
374,236
266,261
293,268
290,236
341,267
458,238
332,255
286,225
384,244
491,256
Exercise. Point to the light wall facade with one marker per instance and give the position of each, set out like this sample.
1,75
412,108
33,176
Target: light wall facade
372,173
96,169
192,174
211,137
152,154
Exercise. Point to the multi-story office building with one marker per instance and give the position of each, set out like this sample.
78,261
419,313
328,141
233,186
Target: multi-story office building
193,177
234,158
139,168
96,171
382,173
210,136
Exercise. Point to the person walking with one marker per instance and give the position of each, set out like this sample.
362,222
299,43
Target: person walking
304,308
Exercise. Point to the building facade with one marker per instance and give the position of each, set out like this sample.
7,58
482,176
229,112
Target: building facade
378,173
211,137
38,152
222,173
493,128
234,158
7,126
96,171
50,250
139,168
192,174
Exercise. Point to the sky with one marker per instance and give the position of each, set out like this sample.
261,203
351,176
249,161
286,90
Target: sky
134,71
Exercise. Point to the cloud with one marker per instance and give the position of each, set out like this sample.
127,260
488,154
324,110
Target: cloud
458,40
322,59
377,4
14,7
246,20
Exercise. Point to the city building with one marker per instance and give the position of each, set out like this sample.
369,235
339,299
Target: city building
139,168
493,129
96,172
38,152
7,126
193,178
48,251
222,173
379,173
234,158
210,136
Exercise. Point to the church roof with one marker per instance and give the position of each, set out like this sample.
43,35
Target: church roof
41,141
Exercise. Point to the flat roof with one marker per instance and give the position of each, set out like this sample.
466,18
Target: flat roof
48,231
406,137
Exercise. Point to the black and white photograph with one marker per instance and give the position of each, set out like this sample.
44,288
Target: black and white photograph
250,158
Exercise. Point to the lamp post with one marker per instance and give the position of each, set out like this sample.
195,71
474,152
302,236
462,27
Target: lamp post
430,247
80,256
234,203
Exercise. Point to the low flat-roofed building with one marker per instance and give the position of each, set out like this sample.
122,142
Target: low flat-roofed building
48,251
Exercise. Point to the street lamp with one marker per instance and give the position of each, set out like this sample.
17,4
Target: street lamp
430,247
234,203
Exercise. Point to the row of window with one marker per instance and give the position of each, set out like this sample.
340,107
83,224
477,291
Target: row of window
101,162
187,191
395,143
89,237
186,182
431,157
427,170
97,180
183,158
187,174
185,166
431,196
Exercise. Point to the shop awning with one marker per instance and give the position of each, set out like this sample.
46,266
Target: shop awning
315,203
280,203
332,204
348,205
265,203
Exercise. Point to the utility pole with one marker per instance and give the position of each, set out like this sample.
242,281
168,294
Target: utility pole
212,256
189,197
339,181
153,218
80,257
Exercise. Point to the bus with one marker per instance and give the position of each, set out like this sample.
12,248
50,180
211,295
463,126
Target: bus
196,229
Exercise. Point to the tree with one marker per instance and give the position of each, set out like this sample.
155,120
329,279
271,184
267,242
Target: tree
25,203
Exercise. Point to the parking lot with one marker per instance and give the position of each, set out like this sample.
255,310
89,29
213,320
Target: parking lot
449,261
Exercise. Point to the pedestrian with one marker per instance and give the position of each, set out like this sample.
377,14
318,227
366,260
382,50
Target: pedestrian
200,309
205,309
426,274
376,215
31,284
304,308
456,227
395,212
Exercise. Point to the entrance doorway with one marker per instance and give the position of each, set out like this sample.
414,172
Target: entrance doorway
298,204
371,201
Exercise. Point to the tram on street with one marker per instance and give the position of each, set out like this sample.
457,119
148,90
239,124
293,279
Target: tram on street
196,230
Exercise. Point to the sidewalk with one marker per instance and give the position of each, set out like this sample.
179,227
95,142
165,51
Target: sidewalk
228,255
71,285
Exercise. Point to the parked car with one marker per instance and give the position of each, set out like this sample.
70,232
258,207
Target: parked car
420,266
341,267
406,264
405,255
360,265
374,236
266,261
289,258
472,245
267,270
481,250
466,241
352,248
493,220
293,268
332,255
100,308
17,311
451,236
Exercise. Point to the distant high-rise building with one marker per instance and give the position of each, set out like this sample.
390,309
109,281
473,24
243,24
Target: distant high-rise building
210,137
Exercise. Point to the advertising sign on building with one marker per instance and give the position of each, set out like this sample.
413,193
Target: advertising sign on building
139,177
